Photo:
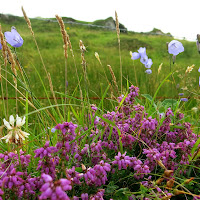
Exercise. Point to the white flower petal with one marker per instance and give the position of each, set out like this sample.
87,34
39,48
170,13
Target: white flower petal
16,135
7,124
25,134
11,120
7,137
18,121
23,121
21,136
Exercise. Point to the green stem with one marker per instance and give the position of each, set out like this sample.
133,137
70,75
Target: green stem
158,90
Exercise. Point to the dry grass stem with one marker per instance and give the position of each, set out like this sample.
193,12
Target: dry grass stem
25,99
4,49
64,35
30,27
118,33
71,50
83,63
27,21
2,93
4,46
52,91
159,68
65,46
117,26
114,78
18,64
98,58
13,64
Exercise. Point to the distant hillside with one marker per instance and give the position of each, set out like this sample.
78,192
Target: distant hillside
108,23
96,38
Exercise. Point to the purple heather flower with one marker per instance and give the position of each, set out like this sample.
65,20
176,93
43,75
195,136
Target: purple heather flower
184,99
149,63
14,38
161,115
135,56
148,71
84,196
175,47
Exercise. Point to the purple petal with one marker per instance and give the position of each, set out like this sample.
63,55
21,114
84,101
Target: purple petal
184,99
13,38
0,45
142,51
199,81
149,63
53,130
148,71
144,59
135,56
175,47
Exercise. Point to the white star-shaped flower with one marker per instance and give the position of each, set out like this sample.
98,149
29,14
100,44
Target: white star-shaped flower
15,134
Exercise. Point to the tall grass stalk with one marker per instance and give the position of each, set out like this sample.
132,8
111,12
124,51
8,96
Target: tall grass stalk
98,58
4,48
65,46
71,50
54,97
33,35
154,97
118,37
2,94
114,78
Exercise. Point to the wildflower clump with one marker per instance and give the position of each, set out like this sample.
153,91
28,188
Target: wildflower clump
143,58
121,150
15,134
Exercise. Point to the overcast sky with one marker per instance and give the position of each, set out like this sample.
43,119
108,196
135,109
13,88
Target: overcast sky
179,17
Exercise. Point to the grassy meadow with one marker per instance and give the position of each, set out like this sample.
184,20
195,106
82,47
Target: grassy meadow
103,143
105,43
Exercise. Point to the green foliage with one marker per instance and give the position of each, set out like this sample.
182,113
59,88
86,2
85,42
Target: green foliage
105,43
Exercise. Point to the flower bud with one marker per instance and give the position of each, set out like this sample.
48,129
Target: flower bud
167,197
83,167
159,181
168,173
178,192
170,183
188,180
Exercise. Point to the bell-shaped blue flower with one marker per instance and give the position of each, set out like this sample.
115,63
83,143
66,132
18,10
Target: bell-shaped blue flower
144,59
13,38
142,51
148,71
135,56
184,99
175,47
0,45
149,63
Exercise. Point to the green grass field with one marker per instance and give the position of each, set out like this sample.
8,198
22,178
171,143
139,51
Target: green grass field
105,43
138,141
